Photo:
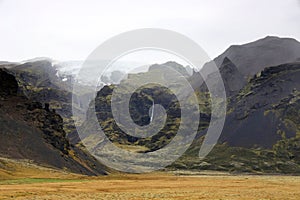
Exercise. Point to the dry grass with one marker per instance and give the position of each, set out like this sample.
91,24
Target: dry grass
160,186
20,169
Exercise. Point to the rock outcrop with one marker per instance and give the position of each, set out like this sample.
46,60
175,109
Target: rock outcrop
30,130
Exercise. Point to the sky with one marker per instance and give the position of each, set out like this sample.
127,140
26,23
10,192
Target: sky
70,30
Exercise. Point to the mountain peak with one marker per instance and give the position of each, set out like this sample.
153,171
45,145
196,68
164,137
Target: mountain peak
271,37
171,64
38,59
253,57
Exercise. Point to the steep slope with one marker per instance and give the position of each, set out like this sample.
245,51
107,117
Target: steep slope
282,155
262,129
253,57
43,69
232,79
38,80
32,131
251,120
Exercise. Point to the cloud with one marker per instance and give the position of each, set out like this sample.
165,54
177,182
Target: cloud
67,30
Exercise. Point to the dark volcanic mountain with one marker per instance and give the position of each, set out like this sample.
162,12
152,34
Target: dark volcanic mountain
254,117
33,131
262,129
253,57
39,82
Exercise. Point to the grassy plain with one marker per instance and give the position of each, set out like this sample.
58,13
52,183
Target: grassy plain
22,179
154,186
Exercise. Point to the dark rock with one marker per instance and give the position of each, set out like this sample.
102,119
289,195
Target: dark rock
8,84
47,107
34,105
28,131
255,119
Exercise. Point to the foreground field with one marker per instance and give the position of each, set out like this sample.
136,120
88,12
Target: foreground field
155,186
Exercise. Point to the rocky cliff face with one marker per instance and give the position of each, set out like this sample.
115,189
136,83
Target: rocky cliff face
261,133
232,78
30,130
38,81
9,86
252,119
140,104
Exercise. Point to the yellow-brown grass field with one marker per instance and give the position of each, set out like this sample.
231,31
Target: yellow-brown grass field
23,180
154,186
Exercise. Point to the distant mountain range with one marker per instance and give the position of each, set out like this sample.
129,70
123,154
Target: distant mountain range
261,132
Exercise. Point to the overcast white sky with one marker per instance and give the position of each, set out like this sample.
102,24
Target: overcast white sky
70,30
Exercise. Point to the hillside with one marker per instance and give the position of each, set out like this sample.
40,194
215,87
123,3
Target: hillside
254,118
253,57
261,132
33,131
39,81
260,135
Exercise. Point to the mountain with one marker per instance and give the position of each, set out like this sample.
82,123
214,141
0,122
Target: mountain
261,133
140,103
33,131
39,81
253,57
254,118
38,74
172,65
7,65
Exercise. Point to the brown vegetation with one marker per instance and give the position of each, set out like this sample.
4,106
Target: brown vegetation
159,186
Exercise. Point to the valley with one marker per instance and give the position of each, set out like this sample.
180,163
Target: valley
256,157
